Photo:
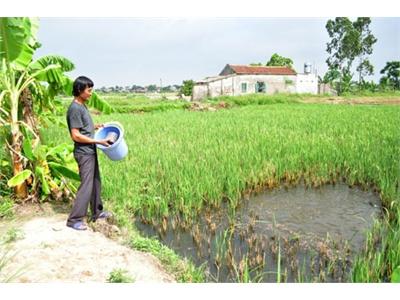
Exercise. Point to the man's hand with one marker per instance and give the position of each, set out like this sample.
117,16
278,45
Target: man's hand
97,126
105,142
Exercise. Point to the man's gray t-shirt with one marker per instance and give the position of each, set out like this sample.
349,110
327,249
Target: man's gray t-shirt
78,116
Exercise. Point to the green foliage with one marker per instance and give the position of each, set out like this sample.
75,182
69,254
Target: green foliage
349,41
332,75
120,276
277,60
391,73
18,40
152,88
6,207
19,178
99,104
366,41
48,168
51,166
396,275
187,87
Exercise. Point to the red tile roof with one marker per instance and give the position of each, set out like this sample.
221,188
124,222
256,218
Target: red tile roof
243,69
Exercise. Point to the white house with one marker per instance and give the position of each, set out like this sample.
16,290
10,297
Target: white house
237,80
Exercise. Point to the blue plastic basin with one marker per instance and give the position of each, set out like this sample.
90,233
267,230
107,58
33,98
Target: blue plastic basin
119,149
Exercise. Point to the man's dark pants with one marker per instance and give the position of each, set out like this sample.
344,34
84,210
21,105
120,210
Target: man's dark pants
90,189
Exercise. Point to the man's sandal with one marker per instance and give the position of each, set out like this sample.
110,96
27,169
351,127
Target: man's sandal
78,226
104,215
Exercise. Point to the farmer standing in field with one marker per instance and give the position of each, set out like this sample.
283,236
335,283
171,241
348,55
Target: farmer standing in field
81,128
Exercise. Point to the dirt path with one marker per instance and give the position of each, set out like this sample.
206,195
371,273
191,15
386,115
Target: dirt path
356,100
48,251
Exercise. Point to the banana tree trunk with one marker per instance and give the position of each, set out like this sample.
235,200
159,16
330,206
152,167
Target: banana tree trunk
21,191
27,110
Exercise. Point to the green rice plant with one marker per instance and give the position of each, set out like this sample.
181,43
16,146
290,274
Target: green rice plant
221,246
278,264
181,162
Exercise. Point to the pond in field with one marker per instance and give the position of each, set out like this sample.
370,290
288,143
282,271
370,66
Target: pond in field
295,235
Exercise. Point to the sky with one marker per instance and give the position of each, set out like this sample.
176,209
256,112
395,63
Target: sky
143,51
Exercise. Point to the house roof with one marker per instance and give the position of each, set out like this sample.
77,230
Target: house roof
213,78
273,70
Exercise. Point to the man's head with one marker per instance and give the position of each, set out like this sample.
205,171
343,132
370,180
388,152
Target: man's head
82,87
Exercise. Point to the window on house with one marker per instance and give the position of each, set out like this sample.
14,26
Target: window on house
260,87
244,87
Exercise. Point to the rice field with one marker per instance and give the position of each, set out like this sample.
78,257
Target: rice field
181,162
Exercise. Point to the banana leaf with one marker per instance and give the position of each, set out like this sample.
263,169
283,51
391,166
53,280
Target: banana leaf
19,178
66,172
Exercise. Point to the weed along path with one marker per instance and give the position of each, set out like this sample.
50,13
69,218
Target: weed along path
43,249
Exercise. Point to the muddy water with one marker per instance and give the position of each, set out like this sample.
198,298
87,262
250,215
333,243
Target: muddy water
312,234
340,211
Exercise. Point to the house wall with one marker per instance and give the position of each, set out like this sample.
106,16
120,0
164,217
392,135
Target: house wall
273,83
307,83
326,88
224,86
232,85
199,92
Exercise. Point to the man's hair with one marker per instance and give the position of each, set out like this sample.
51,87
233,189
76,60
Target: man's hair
80,84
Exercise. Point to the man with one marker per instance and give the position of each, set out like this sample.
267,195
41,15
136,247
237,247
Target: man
81,128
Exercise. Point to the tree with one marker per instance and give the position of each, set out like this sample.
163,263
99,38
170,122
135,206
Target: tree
28,89
187,87
366,40
342,49
277,60
391,73
331,76
152,88
349,40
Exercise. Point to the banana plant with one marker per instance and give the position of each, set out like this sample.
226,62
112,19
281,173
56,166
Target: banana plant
49,171
28,89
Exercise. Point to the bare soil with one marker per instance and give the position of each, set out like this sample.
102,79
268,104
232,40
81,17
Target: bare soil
49,251
356,100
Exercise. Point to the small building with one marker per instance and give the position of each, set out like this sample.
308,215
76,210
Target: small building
237,80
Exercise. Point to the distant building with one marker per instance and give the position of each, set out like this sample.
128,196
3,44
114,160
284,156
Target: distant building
237,80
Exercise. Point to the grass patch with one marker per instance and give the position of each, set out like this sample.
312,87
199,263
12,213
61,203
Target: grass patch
6,207
120,276
12,235
183,270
